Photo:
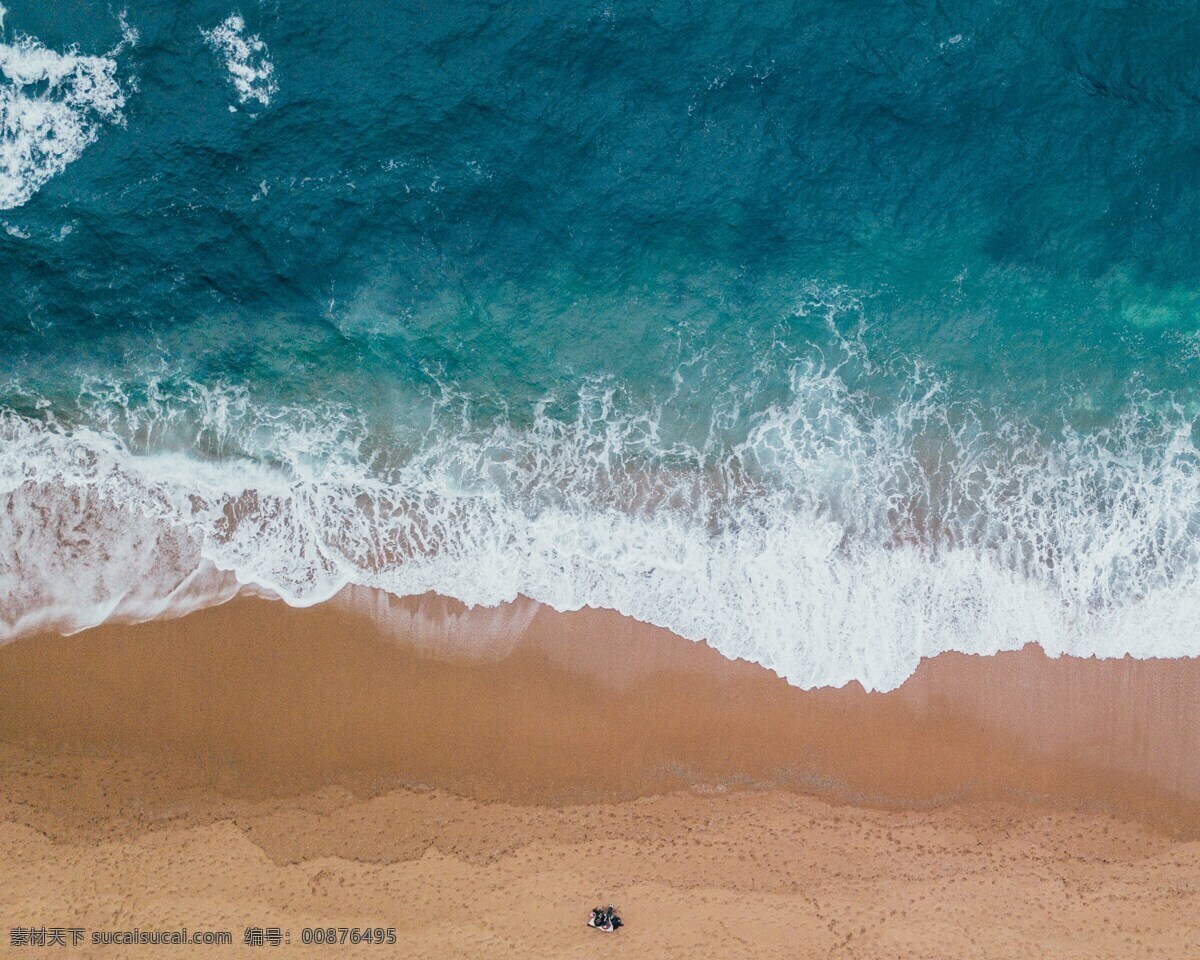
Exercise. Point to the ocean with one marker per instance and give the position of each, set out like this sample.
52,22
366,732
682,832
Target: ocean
836,335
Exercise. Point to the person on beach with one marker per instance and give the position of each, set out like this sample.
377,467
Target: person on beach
605,919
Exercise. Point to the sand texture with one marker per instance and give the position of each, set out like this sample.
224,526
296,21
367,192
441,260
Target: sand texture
467,778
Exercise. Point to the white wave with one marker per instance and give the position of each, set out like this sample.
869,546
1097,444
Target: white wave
832,544
246,58
52,106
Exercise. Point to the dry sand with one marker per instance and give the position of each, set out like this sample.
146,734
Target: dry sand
253,765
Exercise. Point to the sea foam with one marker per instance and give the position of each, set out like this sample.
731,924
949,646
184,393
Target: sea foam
246,59
52,106
832,542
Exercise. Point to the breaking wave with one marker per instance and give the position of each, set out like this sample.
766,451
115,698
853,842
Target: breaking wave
832,541
52,106
246,60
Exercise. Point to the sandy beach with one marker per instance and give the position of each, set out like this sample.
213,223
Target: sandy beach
253,765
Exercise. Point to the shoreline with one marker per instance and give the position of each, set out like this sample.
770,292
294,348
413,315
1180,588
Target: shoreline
258,766
255,765
522,704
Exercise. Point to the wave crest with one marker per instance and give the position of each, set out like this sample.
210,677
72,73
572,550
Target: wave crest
52,106
834,541
246,59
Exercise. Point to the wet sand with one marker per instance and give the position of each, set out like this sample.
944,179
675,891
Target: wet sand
256,765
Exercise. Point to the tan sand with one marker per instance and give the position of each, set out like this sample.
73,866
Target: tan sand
255,765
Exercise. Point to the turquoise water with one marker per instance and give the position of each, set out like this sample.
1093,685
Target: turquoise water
835,335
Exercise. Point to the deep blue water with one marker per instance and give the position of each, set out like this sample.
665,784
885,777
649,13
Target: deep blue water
835,334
